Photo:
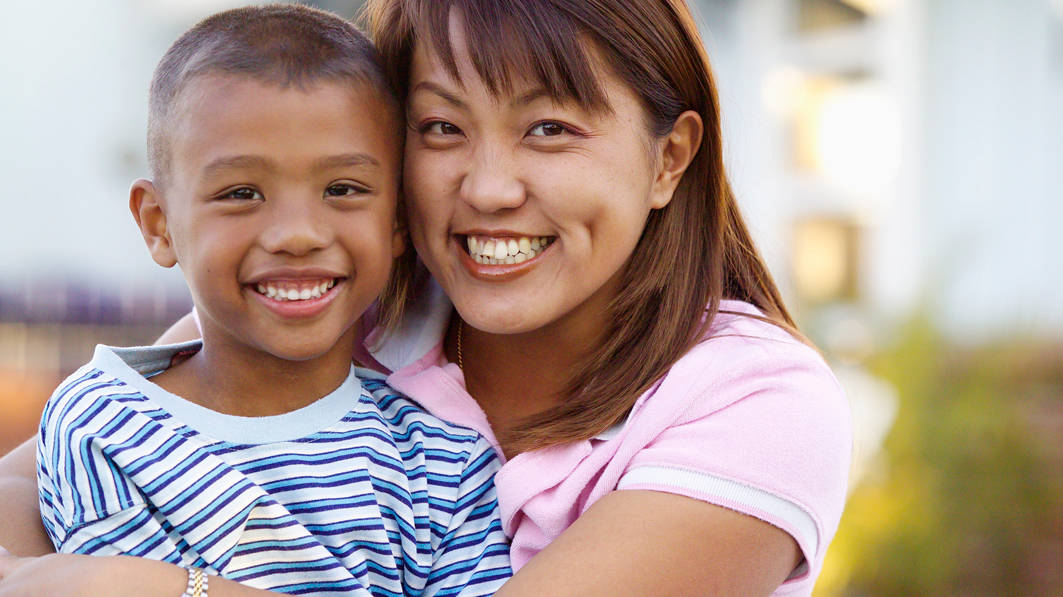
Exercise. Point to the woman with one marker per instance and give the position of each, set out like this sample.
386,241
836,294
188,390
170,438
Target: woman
613,329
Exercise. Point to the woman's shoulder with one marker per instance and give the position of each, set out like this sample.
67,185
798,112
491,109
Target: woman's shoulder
742,353
751,409
752,382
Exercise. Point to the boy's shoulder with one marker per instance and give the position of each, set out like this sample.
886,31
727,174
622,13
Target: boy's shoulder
407,415
115,374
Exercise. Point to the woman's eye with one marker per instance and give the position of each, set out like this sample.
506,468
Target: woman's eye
547,129
344,189
242,194
440,127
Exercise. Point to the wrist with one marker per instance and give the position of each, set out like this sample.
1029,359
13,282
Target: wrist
141,576
198,583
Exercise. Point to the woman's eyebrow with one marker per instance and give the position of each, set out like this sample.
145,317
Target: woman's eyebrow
529,96
437,89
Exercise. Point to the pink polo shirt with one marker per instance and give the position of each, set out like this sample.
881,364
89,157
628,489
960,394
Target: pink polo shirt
750,419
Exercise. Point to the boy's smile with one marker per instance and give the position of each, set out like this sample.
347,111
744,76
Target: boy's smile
279,206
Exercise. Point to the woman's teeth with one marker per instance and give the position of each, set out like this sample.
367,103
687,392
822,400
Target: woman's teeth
295,291
498,251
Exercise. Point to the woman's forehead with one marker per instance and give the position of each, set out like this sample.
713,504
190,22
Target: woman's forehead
509,56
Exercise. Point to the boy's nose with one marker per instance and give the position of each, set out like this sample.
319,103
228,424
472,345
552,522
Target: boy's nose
296,228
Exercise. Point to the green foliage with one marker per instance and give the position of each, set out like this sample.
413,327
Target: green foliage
969,498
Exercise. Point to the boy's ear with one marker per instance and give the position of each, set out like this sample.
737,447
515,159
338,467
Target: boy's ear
675,152
144,204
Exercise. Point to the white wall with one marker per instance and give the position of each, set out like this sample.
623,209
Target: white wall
994,148
73,113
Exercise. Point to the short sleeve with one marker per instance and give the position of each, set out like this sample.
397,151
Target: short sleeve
769,437
472,557
88,504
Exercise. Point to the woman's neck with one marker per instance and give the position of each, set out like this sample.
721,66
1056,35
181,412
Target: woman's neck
513,376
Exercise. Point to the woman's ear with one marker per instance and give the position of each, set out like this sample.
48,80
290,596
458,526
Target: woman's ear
148,212
400,235
675,152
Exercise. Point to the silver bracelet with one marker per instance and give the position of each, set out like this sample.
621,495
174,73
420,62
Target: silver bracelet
197,583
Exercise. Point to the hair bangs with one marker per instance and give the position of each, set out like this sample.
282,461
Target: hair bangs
514,42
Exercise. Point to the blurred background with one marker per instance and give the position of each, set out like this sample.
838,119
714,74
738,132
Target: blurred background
900,162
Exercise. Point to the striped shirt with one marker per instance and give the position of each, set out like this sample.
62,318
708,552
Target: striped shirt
359,493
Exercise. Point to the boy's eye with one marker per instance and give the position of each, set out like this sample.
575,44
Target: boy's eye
345,189
241,194
547,129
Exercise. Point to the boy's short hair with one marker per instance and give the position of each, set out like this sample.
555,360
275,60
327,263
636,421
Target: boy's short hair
282,44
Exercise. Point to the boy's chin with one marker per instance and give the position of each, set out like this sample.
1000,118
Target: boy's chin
309,347
302,354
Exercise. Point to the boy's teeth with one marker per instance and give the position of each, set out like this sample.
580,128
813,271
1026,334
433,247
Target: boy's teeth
496,251
294,291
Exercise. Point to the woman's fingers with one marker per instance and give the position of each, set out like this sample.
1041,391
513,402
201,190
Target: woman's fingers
8,564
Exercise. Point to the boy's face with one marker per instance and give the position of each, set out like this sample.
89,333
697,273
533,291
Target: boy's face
279,207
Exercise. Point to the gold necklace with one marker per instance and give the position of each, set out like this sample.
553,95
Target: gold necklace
461,365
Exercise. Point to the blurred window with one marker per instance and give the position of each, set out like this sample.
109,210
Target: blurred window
822,15
826,259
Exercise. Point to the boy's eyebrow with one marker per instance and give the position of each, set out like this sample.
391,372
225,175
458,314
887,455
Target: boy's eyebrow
236,161
346,160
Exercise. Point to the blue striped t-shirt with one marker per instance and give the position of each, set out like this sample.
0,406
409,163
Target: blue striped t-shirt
359,493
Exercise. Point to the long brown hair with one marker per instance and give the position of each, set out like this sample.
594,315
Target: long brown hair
693,253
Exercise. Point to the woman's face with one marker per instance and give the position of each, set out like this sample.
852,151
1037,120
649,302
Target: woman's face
525,211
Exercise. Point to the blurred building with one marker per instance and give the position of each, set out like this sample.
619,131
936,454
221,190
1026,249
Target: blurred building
892,157
890,154
900,154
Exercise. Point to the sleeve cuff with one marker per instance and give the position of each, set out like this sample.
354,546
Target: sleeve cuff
783,513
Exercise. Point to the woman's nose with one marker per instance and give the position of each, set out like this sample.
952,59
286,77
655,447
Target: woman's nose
491,183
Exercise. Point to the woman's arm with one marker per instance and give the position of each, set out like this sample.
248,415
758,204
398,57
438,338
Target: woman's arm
652,543
184,330
115,576
21,530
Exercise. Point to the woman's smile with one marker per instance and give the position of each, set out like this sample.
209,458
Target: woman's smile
506,250
524,209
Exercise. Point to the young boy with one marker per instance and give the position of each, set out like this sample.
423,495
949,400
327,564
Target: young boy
259,453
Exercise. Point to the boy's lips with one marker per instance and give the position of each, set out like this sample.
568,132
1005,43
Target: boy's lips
294,290
295,296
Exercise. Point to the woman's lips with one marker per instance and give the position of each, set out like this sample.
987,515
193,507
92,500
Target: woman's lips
506,250
496,258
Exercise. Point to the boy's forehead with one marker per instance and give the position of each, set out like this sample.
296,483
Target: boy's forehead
237,111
